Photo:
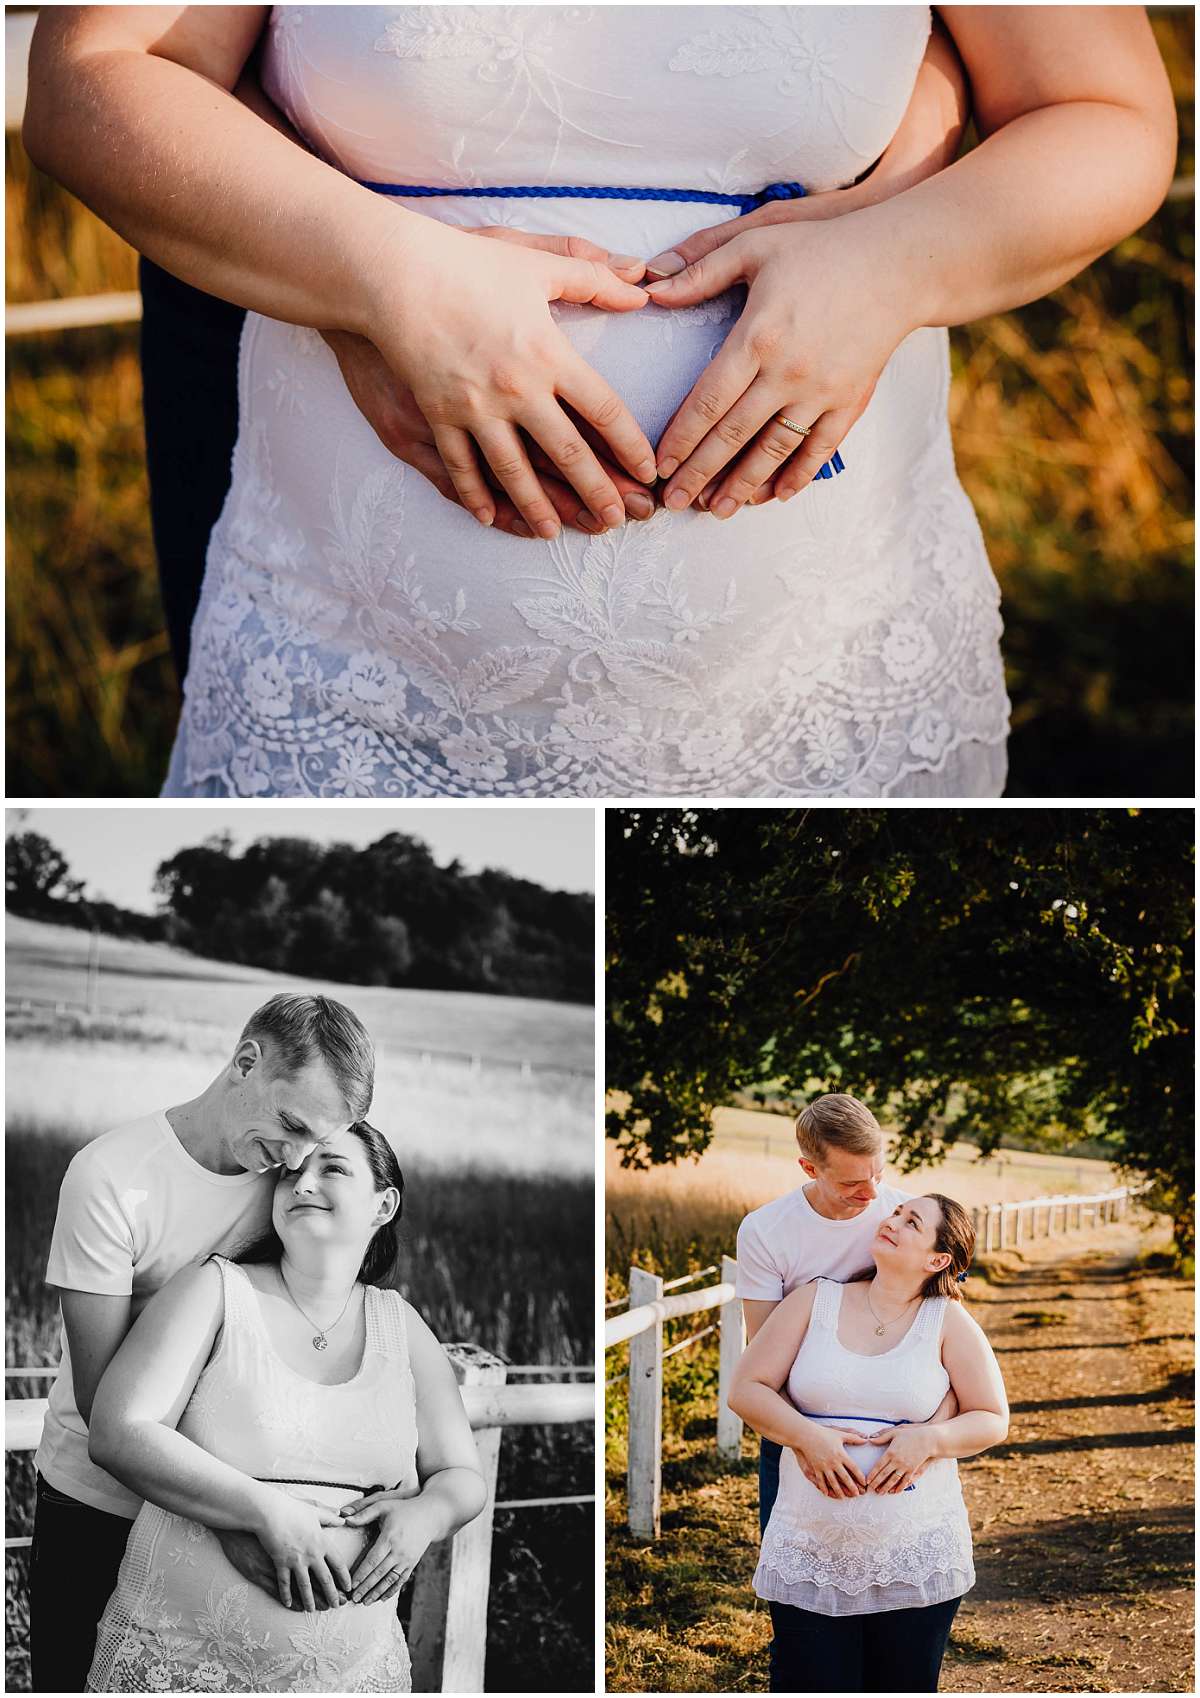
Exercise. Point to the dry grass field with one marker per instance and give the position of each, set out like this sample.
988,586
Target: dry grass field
686,1216
167,1020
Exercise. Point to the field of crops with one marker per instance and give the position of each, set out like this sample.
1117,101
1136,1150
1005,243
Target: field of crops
1073,429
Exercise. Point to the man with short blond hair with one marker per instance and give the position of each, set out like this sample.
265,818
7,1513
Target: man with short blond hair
137,1204
821,1230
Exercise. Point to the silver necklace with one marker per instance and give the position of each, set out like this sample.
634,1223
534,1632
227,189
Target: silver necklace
894,1319
320,1342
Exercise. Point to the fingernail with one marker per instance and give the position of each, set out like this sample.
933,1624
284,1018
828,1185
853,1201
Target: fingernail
785,494
666,467
646,470
588,522
547,529
613,515
677,500
702,501
665,265
639,506
482,514
725,508
622,262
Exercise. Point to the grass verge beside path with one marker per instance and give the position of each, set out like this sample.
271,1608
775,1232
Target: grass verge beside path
1082,1519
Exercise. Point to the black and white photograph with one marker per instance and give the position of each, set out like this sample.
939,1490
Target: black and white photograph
300,1180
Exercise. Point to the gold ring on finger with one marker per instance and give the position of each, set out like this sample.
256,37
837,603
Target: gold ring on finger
790,424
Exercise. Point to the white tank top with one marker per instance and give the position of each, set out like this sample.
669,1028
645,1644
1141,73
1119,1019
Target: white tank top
855,1556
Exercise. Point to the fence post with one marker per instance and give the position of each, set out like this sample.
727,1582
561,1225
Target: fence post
644,1478
447,1636
1017,1227
733,1339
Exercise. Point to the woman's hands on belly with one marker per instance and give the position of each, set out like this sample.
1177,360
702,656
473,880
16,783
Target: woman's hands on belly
467,328
813,338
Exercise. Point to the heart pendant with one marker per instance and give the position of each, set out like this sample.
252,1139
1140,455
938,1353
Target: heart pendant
320,1342
878,1332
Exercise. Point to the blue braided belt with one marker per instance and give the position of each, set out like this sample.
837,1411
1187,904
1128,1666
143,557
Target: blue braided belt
744,203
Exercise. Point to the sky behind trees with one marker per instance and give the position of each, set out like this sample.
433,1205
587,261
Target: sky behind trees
116,851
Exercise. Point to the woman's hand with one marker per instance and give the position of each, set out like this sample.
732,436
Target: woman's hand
307,1563
389,408
823,1461
812,340
466,326
909,1452
405,1532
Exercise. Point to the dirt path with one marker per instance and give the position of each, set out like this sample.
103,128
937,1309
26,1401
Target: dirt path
1083,1519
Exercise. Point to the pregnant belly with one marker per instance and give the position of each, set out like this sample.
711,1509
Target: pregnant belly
346,599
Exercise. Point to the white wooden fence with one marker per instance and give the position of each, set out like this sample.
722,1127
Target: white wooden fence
641,1326
448,1627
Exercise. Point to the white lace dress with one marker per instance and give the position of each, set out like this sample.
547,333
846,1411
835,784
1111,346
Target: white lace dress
358,635
882,1551
182,1619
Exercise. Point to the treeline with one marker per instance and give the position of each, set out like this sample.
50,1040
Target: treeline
383,915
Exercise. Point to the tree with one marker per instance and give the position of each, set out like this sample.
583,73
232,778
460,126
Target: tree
36,875
967,973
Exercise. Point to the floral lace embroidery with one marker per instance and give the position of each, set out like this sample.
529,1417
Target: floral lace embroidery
357,637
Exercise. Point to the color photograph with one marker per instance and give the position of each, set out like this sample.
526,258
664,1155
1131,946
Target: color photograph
395,411
900,1250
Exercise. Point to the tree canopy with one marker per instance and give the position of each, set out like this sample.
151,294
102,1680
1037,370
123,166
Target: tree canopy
967,973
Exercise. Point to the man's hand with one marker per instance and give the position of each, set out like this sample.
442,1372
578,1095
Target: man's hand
823,1461
247,1555
405,1532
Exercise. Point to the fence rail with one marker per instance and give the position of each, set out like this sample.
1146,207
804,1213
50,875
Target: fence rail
641,1327
448,1629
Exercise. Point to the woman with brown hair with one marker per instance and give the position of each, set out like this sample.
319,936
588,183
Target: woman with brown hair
867,1554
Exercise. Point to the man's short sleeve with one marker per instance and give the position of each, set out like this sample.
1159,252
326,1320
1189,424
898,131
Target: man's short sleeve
92,1245
758,1277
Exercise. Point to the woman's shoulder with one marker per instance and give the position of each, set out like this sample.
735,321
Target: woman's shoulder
959,1323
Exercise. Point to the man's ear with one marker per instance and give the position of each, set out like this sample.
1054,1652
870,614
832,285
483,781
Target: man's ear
807,1166
246,1056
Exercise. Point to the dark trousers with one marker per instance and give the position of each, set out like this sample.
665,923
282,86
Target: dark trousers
768,1479
891,1651
73,1565
189,399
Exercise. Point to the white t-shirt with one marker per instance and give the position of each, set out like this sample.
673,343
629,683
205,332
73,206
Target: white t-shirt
786,1243
134,1208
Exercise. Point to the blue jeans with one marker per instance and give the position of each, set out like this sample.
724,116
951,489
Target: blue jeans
768,1479
890,1651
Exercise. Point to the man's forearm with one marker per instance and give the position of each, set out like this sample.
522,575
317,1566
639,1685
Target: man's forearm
932,127
968,1434
770,1414
169,1470
208,189
1029,208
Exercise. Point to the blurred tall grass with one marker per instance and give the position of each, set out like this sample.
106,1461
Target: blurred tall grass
1072,422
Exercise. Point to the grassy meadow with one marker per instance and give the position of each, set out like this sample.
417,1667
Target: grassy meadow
1073,428
498,1228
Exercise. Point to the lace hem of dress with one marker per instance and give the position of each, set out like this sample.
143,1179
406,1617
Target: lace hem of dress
796,1558
937,1588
